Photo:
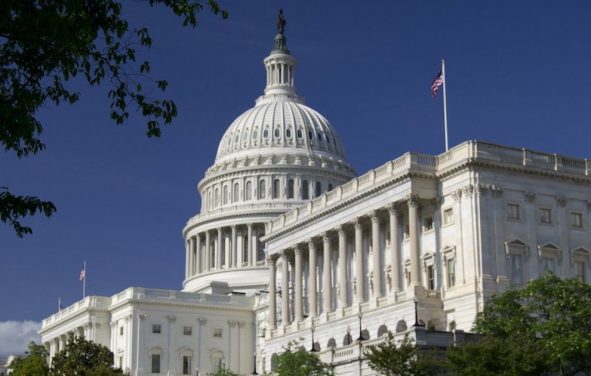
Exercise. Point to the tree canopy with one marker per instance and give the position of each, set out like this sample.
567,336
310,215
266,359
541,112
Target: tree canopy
297,361
46,43
32,364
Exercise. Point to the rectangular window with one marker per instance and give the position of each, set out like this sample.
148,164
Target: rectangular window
580,270
549,264
516,270
121,362
576,220
120,330
448,216
513,211
217,333
187,330
155,363
451,272
431,277
318,189
186,365
545,215
156,328
428,224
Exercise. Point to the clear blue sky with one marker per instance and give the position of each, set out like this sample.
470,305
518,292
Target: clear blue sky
519,74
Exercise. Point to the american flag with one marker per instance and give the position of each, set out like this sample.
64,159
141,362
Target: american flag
438,81
83,274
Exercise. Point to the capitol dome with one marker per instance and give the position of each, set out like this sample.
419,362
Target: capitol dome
274,157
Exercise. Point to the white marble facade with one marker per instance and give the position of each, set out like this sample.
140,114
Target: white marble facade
288,245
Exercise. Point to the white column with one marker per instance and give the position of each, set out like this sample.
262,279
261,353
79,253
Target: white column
197,256
272,293
187,263
394,249
377,260
191,255
234,256
359,260
218,251
342,267
251,257
285,289
313,304
207,251
327,300
298,284
415,278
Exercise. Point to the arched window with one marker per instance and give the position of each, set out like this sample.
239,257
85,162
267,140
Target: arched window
401,326
348,339
331,343
290,188
225,194
305,190
288,132
318,189
262,188
266,133
277,133
382,330
330,187
217,197
236,193
276,186
248,193
300,135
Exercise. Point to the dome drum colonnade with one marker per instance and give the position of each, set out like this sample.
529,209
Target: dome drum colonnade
345,278
271,159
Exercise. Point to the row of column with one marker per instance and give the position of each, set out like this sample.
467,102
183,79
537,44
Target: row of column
214,250
57,344
342,299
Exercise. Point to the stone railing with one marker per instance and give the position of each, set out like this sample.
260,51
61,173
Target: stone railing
90,302
240,209
140,293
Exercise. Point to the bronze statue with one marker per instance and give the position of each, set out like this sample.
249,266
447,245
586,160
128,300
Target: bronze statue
280,22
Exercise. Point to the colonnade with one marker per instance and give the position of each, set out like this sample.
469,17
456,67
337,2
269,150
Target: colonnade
347,277
58,343
224,247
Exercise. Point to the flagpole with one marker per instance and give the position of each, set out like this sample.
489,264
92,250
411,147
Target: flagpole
84,282
444,103
59,304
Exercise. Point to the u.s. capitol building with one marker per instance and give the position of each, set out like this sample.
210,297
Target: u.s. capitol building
290,245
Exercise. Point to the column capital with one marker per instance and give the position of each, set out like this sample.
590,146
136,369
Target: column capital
142,316
298,250
357,223
326,236
231,323
373,215
341,230
311,243
412,200
201,320
171,318
393,208
270,260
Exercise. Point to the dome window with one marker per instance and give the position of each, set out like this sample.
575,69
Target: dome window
310,135
300,135
276,188
266,133
305,190
327,140
277,132
236,192
262,187
255,133
319,136
290,188
225,195
248,193
288,132
318,189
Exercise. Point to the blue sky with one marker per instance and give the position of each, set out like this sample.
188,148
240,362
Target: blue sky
518,74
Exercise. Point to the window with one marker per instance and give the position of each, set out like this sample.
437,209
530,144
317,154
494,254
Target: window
120,330
156,328
121,362
236,193
217,332
187,330
288,133
513,211
580,270
217,197
318,189
549,264
276,133
290,188
155,363
576,220
248,193
305,190
186,365
245,249
450,265
427,224
262,187
266,133
276,186
330,187
299,133
448,216
545,215
225,194
431,277
406,233
516,269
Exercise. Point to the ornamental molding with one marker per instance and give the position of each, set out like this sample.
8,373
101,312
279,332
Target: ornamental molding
561,200
530,196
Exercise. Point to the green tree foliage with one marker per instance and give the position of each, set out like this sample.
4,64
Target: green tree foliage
46,43
403,359
546,327
32,364
296,361
83,358
223,372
